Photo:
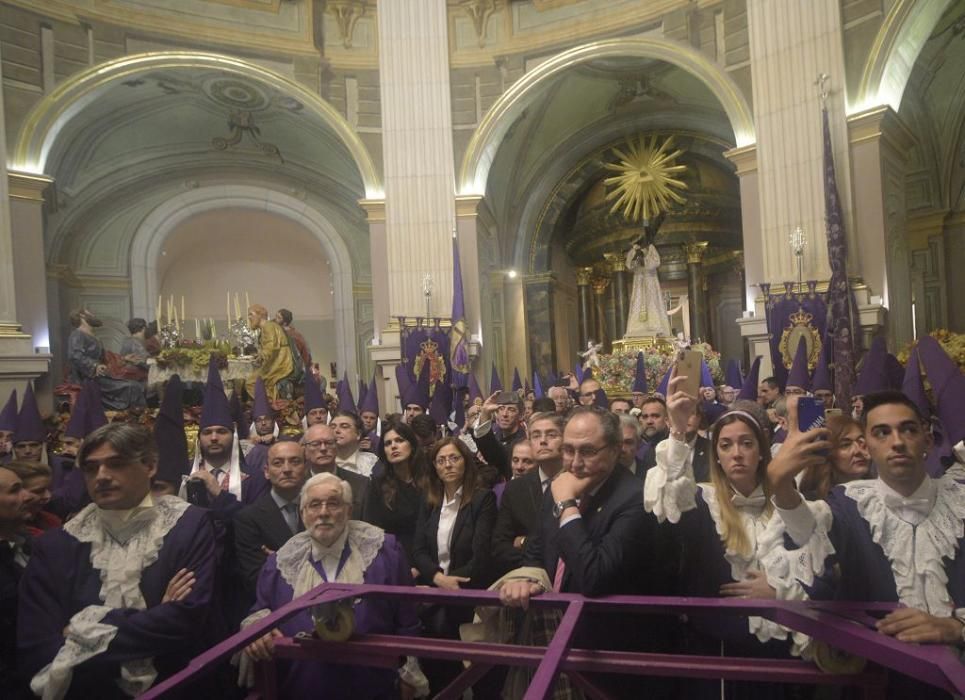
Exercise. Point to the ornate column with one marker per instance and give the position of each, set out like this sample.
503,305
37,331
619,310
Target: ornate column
619,294
599,304
695,289
586,321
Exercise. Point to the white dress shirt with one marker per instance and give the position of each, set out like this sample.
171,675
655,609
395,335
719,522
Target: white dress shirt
447,519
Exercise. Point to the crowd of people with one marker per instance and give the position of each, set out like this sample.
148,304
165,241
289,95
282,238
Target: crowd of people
127,551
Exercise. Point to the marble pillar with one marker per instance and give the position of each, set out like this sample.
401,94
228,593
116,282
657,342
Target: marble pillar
695,289
417,153
880,143
619,293
791,42
600,335
585,296
18,361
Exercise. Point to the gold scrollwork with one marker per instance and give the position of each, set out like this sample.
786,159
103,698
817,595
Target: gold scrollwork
800,327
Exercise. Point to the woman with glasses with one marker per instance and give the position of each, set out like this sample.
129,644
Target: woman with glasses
847,461
452,543
732,542
394,495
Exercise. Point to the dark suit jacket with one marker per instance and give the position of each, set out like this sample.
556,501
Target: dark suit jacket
469,546
259,525
518,515
702,460
498,450
360,488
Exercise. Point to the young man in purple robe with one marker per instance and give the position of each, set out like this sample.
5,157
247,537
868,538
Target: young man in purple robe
898,537
334,548
114,601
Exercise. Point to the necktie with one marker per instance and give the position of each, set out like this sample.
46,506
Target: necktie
560,564
546,482
753,501
288,510
896,502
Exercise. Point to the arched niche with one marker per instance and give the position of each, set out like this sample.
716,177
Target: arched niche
152,235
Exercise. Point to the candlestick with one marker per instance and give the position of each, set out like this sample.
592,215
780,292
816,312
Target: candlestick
157,316
184,316
175,315
227,313
237,308
247,302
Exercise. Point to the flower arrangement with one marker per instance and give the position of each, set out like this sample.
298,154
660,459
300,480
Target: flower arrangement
196,357
617,370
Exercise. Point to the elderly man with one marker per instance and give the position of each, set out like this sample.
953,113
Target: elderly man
334,548
268,523
320,449
348,434
588,389
520,504
919,564
115,600
14,552
561,397
276,356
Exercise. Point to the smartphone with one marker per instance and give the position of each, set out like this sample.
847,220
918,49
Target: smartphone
197,493
810,413
688,365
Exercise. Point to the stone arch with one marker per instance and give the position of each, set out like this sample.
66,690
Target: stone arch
50,115
488,136
900,39
154,229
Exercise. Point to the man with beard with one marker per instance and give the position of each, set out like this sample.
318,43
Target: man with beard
520,504
87,361
336,548
653,417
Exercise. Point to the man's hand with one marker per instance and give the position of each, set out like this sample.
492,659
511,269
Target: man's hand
799,452
519,541
567,485
754,585
680,405
913,625
210,483
516,594
179,587
449,583
365,443
264,648
100,370
488,409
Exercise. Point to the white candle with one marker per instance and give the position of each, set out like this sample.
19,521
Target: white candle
227,313
197,329
247,301
183,315
157,316
237,308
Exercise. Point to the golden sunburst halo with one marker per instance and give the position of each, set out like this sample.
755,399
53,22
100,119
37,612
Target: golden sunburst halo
645,186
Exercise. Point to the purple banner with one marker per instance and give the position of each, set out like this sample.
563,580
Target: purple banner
426,341
790,313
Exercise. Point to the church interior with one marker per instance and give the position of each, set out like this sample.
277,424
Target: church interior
320,155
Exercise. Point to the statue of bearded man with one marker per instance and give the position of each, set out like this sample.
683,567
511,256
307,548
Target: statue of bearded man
275,363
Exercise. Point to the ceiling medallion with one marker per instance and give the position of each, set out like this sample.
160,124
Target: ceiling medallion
645,185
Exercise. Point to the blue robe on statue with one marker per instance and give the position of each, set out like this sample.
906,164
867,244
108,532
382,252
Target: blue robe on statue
276,587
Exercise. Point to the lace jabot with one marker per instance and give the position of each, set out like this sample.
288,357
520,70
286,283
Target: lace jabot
364,541
916,552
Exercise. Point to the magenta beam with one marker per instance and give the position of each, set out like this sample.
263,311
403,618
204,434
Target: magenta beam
541,684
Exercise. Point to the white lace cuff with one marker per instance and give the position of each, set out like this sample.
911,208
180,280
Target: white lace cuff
799,521
670,489
86,637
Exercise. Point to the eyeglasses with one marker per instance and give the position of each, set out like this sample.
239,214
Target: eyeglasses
319,506
319,444
586,452
443,460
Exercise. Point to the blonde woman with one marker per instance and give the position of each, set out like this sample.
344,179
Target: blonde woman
732,544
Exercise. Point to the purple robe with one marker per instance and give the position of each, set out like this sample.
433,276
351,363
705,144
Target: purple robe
303,679
865,574
60,581
257,458
68,490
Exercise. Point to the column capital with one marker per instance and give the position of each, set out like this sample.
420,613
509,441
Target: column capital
695,252
28,185
600,284
883,125
744,158
583,276
614,262
374,209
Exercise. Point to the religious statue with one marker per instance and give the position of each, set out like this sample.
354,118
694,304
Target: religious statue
88,361
591,358
276,356
647,317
